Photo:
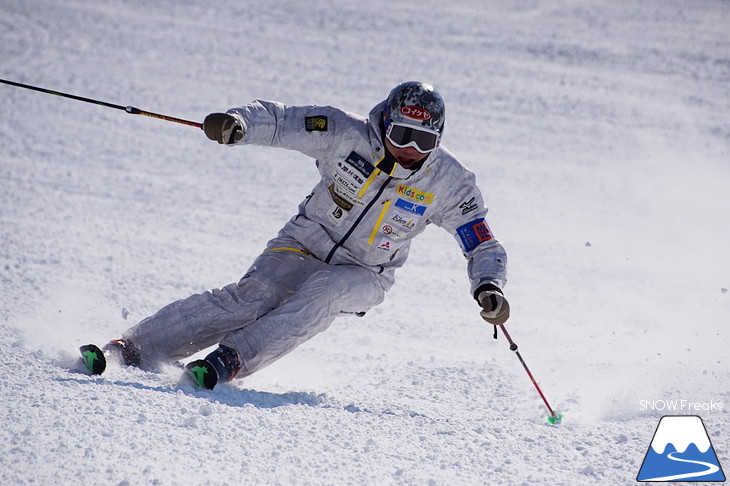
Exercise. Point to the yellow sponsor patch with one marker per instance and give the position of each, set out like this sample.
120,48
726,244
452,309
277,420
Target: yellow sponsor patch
414,194
315,123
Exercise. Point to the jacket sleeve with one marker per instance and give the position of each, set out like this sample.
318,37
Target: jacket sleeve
463,215
311,130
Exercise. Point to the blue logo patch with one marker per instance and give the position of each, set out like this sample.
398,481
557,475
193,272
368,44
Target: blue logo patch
410,207
360,164
680,451
472,234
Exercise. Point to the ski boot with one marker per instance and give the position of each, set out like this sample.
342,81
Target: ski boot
125,350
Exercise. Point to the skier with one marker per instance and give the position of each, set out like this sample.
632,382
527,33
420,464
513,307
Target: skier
383,180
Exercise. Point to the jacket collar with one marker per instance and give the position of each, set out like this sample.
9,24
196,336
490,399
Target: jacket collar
376,140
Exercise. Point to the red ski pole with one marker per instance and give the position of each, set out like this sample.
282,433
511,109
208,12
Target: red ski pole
555,417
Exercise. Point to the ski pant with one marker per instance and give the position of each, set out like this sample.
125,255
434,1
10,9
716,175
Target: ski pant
287,297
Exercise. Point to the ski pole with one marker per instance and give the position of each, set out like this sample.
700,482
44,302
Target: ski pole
129,109
555,417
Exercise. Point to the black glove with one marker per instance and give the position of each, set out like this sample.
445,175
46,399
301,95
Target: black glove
223,128
495,308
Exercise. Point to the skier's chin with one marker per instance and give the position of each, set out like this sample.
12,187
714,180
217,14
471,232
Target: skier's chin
407,163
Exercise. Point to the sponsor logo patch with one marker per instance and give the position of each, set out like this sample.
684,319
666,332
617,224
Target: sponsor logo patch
337,214
339,200
315,123
348,179
472,234
414,194
468,206
410,207
385,245
360,164
416,112
403,222
394,232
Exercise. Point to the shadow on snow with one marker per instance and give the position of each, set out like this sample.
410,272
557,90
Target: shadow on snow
224,394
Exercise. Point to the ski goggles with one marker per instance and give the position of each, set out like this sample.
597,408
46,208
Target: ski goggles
402,136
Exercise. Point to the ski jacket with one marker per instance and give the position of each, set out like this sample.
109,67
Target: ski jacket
357,213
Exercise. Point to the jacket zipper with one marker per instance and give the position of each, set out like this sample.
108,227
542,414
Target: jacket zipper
358,220
386,205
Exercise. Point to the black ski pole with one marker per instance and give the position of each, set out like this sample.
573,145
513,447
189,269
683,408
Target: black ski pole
555,417
129,109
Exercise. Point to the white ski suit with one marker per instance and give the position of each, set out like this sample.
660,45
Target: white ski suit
339,253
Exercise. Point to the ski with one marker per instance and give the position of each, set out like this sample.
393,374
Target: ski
202,373
93,359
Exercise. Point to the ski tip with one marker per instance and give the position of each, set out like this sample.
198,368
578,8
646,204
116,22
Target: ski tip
556,418
93,359
202,373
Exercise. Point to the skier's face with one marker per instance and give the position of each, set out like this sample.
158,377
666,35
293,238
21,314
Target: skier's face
407,157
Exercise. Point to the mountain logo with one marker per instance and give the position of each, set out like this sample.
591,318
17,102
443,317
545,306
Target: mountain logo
681,451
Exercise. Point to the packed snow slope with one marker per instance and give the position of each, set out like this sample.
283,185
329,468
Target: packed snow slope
599,132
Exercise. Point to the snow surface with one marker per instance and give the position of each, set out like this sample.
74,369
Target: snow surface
599,132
